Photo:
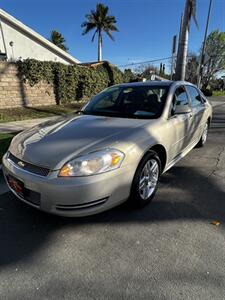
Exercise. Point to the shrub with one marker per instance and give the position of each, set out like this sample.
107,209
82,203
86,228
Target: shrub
72,82
207,92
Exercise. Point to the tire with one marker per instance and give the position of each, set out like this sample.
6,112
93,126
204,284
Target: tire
140,197
204,136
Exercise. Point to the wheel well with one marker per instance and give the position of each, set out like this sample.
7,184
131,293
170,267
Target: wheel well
161,151
209,120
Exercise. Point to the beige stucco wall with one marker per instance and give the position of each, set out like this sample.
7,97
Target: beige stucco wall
27,43
25,47
15,93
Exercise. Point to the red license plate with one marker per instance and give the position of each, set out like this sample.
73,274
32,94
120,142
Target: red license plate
16,185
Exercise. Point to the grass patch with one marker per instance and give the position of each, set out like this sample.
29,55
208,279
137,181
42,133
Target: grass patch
5,139
218,93
25,113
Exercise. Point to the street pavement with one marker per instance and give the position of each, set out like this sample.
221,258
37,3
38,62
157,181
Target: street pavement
168,250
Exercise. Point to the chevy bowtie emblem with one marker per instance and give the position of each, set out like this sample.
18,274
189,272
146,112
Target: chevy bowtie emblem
21,164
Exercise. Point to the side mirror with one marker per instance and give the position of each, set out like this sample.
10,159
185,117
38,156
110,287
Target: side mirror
182,109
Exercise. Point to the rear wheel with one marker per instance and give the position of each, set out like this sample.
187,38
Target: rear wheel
146,179
204,136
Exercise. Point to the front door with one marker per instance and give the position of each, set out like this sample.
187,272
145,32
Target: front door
179,124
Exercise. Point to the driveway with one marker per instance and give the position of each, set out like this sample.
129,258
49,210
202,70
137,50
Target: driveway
168,250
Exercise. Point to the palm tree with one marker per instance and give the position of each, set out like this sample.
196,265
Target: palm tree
100,21
57,39
189,13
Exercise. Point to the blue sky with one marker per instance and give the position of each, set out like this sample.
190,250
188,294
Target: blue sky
146,27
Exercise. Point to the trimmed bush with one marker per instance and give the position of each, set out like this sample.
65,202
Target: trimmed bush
207,92
72,82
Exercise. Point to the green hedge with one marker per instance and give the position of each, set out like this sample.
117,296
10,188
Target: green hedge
72,82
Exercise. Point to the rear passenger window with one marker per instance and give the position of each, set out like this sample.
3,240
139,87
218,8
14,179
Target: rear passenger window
195,96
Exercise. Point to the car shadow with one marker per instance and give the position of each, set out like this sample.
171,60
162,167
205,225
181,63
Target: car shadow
24,230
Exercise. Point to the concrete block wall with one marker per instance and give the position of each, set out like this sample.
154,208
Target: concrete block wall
15,93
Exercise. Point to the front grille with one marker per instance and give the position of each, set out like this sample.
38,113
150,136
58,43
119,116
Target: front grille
41,171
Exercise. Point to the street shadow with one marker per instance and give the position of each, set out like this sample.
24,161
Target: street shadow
24,230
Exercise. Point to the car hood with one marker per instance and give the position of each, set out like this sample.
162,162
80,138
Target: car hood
53,143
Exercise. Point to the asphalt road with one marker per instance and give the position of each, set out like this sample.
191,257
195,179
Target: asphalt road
168,250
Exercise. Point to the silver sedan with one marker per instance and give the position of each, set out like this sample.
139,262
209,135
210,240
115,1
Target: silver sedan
114,150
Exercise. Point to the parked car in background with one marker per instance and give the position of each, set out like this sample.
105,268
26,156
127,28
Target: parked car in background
113,151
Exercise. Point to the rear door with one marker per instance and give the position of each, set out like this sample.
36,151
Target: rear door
198,108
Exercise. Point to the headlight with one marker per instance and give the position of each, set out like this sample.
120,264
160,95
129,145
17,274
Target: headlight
93,163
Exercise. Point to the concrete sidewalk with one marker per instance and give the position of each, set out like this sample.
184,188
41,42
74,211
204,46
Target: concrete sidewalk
17,126
22,125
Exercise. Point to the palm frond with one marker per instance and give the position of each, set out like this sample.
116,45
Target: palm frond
57,39
100,20
93,37
109,35
192,11
87,27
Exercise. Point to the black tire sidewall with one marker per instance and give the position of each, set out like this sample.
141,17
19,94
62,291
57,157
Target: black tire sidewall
135,199
201,143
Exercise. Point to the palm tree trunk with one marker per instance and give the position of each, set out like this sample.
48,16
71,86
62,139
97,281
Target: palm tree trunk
183,45
99,46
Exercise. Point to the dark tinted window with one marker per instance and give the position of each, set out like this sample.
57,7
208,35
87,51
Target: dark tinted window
195,96
129,101
180,98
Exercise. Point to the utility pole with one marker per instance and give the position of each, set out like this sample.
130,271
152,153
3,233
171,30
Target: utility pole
183,44
174,48
202,58
189,13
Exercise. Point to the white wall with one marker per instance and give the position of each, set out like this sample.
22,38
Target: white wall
26,45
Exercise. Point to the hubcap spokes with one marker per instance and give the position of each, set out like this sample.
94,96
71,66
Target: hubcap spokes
148,179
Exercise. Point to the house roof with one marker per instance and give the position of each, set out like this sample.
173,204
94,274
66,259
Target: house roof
7,18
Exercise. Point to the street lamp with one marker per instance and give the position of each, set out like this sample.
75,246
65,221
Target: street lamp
11,43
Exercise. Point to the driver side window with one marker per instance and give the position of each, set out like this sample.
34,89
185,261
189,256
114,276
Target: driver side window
180,98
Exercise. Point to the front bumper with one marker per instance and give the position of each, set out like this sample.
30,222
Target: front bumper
77,196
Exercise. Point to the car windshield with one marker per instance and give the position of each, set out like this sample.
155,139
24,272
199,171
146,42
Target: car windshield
141,101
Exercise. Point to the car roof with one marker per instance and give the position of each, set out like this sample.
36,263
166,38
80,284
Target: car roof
148,83
163,83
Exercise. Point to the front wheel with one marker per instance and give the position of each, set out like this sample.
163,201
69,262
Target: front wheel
145,181
204,136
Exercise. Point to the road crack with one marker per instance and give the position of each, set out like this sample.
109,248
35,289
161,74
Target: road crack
218,160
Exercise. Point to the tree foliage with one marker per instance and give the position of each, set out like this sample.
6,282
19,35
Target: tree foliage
146,71
57,39
99,21
215,59
192,68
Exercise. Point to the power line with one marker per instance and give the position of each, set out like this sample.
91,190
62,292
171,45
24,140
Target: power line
145,62
150,61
